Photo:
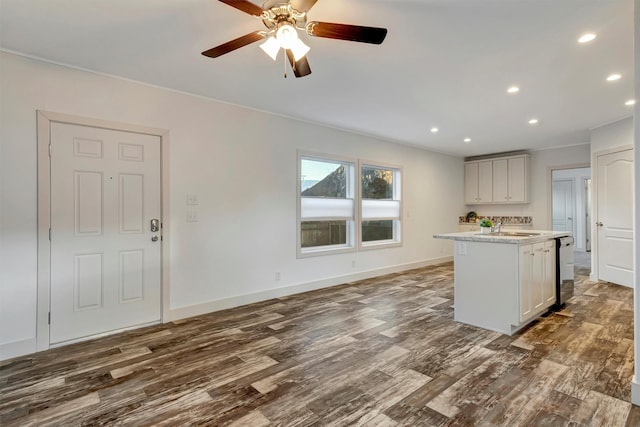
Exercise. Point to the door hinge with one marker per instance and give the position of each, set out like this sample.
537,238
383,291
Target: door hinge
49,234
49,318
49,150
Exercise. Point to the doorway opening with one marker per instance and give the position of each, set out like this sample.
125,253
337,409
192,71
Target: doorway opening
571,209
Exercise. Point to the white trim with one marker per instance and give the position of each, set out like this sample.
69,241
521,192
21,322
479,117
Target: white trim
17,348
235,301
44,120
635,391
103,334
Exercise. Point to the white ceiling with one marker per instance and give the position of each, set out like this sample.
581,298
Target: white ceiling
445,63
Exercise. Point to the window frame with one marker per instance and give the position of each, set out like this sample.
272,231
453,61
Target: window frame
398,189
351,224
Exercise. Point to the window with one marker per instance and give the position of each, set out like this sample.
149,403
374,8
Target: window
329,219
380,209
326,204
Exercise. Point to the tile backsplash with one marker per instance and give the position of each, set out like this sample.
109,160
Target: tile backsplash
502,219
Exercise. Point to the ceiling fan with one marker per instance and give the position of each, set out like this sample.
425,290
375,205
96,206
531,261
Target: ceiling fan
283,21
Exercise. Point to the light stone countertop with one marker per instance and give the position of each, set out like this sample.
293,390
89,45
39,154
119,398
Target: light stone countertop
476,236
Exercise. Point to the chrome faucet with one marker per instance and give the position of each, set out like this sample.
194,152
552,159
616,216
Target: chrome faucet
497,228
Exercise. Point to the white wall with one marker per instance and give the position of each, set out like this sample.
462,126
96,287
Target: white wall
617,134
242,165
542,162
635,383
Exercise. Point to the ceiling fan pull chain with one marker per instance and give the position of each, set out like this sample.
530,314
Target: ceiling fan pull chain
284,62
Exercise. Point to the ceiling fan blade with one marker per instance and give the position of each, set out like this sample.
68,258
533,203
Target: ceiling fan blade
354,33
302,5
234,44
245,6
301,67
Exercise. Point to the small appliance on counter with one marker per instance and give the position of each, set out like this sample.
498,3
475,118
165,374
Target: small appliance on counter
564,271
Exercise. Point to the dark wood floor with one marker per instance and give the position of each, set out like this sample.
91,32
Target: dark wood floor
379,352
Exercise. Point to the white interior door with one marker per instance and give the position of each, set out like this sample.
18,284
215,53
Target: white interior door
105,267
614,217
563,205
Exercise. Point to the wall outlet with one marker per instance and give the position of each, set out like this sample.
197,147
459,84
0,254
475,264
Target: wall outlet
192,199
461,248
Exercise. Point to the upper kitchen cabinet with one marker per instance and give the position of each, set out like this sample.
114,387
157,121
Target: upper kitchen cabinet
499,180
478,179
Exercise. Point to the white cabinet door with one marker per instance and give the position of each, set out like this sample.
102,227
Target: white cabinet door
485,182
549,276
503,180
537,277
526,277
517,179
500,181
471,183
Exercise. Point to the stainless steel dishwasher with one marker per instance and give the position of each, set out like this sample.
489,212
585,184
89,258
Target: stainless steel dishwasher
564,271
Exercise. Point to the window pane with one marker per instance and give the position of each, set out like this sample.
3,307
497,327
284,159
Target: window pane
323,179
377,230
377,183
323,233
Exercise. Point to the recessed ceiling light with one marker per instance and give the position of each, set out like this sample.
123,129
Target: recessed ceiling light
434,130
533,121
613,77
630,102
513,89
467,140
586,38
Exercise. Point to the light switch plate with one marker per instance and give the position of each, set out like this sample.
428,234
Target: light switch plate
192,199
192,216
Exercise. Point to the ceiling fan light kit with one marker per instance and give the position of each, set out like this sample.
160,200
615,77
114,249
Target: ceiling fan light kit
283,21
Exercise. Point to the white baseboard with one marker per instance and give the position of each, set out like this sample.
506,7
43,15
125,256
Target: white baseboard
593,277
635,392
17,348
236,301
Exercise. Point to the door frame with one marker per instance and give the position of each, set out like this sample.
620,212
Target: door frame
44,121
550,170
573,198
595,253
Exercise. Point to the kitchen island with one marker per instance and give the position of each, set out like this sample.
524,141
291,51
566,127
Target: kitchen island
503,281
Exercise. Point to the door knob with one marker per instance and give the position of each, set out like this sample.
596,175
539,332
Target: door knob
154,238
599,224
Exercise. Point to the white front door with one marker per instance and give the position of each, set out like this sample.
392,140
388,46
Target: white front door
105,267
614,217
562,205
